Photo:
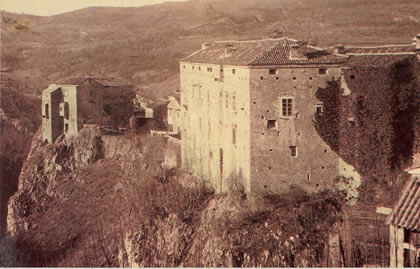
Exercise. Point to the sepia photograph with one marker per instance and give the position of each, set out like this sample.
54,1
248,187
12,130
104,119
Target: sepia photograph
210,133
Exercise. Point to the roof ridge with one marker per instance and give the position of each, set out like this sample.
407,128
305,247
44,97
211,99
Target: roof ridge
383,53
377,47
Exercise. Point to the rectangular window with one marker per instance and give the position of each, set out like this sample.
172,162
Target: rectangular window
271,124
192,67
272,71
227,101
233,71
233,102
318,109
287,107
234,136
293,151
91,105
47,111
322,71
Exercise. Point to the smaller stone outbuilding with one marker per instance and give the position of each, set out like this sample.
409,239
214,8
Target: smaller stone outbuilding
67,108
174,115
404,223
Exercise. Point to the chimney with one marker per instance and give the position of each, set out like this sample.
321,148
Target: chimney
205,45
418,41
339,49
229,48
298,50
277,34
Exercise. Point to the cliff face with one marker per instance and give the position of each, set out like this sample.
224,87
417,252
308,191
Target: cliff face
19,120
109,201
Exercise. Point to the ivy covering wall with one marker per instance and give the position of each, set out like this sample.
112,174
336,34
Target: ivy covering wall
371,118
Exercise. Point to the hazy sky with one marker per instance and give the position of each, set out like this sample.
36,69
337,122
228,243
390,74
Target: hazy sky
52,7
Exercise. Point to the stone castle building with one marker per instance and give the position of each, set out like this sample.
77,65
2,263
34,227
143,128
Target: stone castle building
66,108
248,113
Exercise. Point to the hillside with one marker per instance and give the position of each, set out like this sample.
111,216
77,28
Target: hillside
143,44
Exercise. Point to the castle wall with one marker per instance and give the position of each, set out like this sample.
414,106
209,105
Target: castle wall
69,111
90,103
215,133
273,168
52,123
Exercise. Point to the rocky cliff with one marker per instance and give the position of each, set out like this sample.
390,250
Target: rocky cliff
96,200
19,120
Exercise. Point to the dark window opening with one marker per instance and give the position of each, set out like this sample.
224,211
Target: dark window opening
322,71
407,236
221,70
90,92
192,67
255,103
211,154
293,151
352,76
262,78
308,176
277,78
47,111
233,71
66,127
199,68
294,78
271,124
234,136
269,167
322,167
318,109
183,66
287,107
272,71
310,78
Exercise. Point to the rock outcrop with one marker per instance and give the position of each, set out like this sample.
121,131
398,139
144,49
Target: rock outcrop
110,201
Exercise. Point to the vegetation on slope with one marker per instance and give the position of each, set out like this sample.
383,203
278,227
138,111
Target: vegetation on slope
125,211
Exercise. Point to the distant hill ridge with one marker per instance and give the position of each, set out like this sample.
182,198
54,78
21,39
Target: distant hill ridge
143,44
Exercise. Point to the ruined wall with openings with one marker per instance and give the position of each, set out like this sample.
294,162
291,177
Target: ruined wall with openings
275,165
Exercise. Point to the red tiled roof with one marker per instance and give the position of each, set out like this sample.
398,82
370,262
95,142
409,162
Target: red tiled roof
380,49
376,60
406,213
261,52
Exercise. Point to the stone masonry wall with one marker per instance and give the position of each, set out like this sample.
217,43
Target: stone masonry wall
273,169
